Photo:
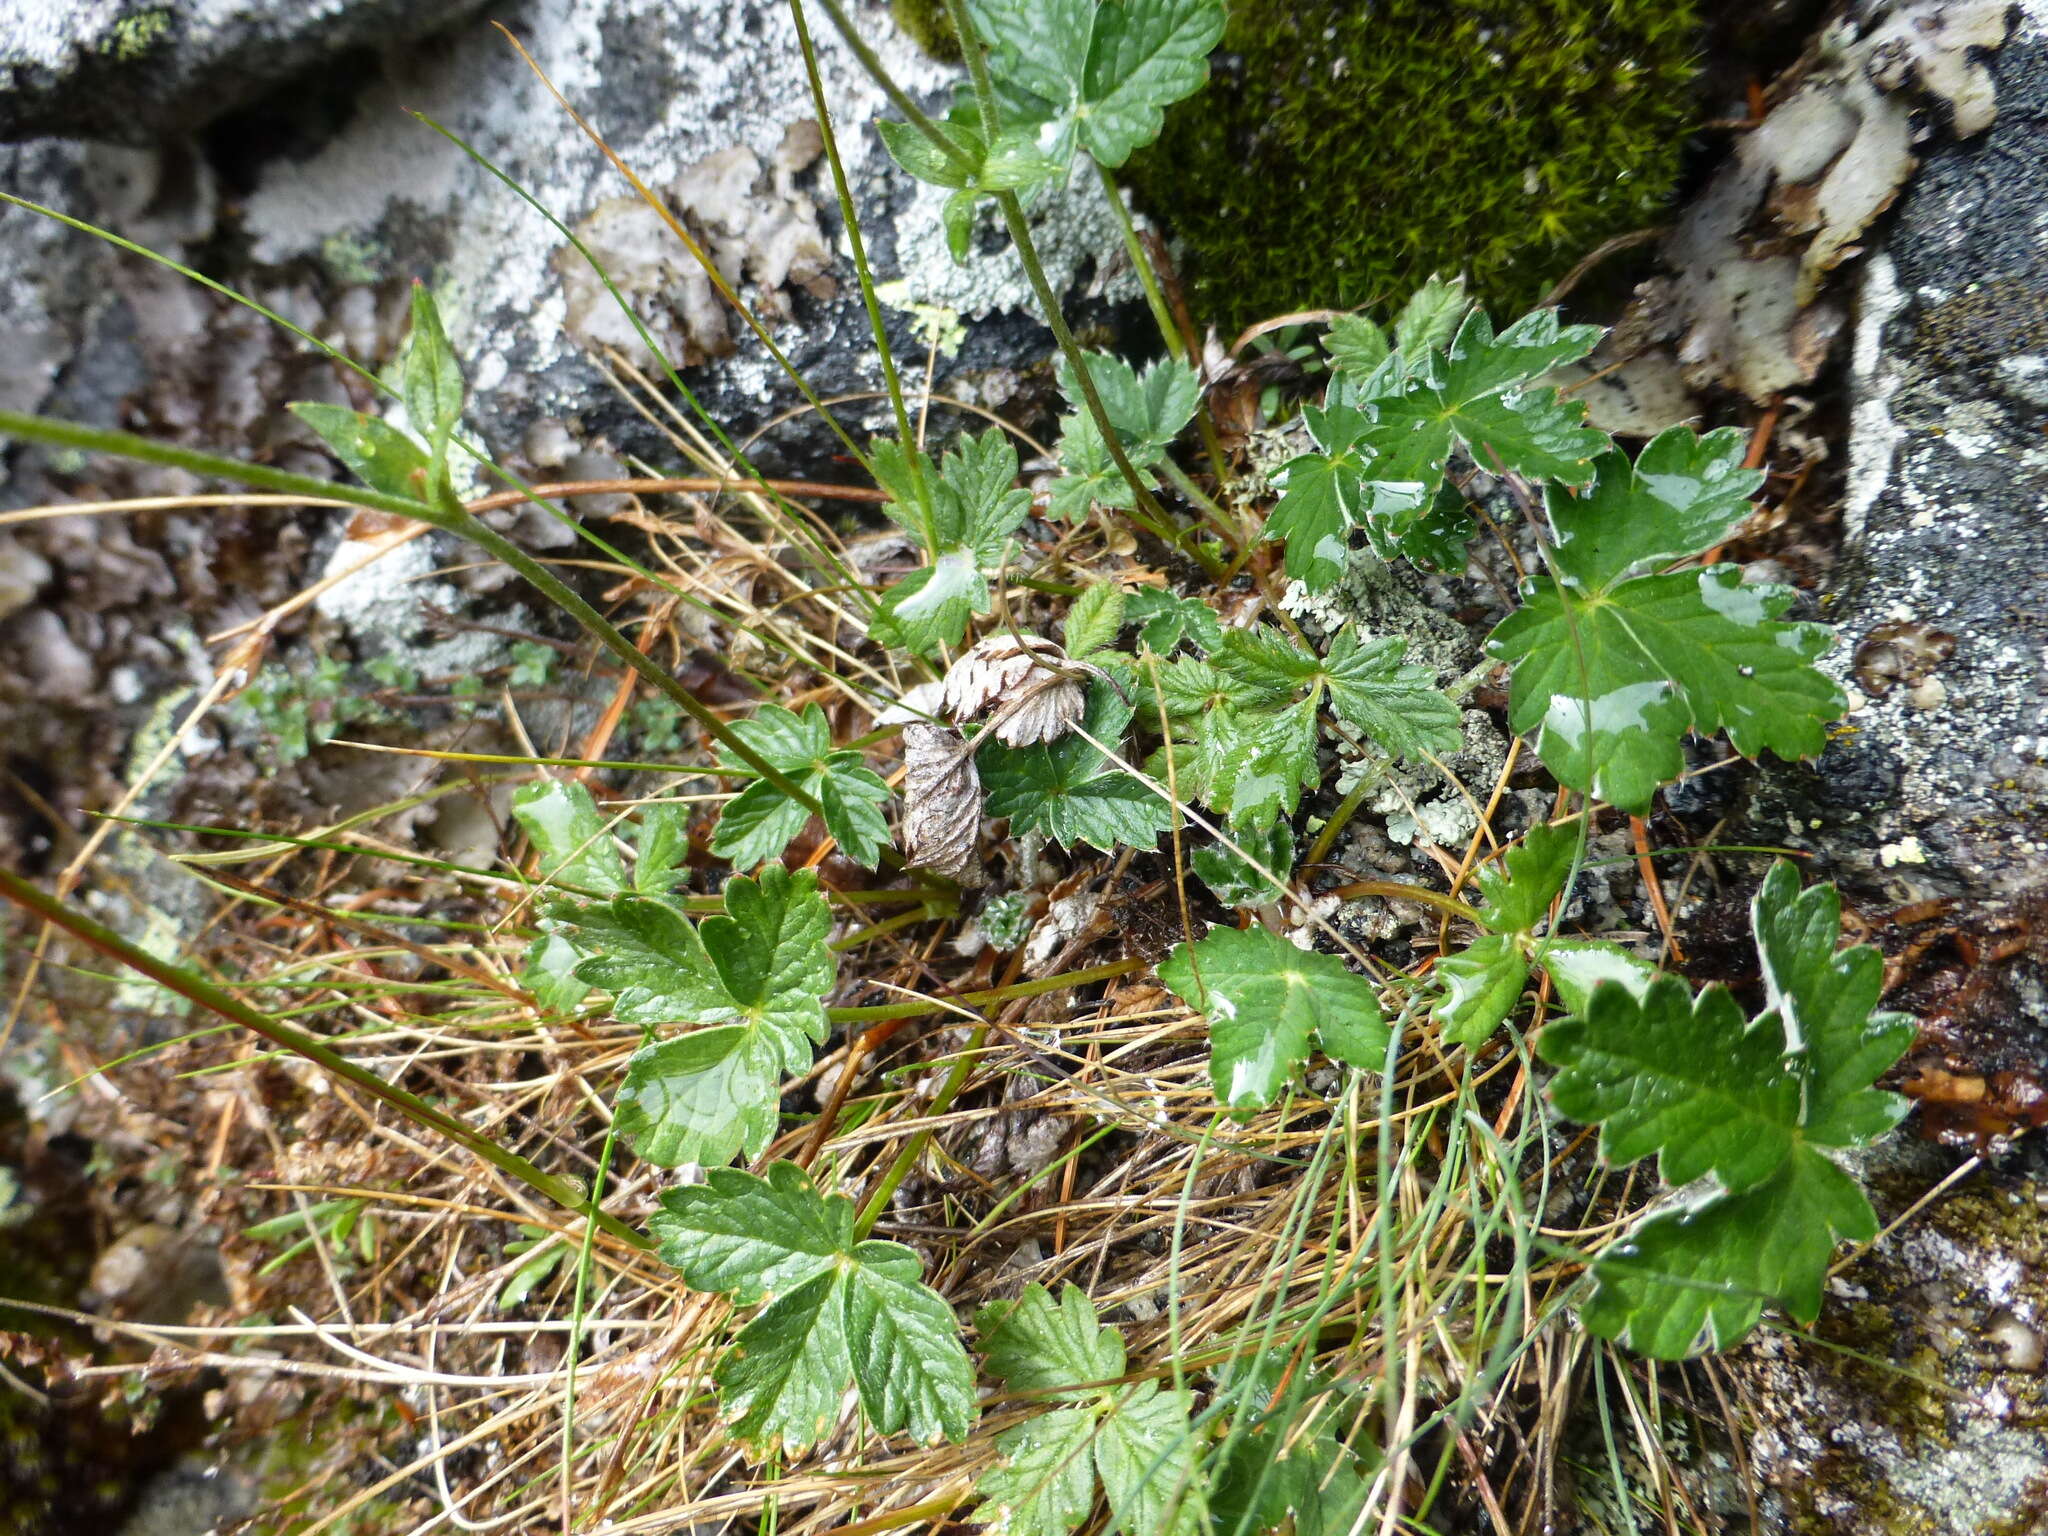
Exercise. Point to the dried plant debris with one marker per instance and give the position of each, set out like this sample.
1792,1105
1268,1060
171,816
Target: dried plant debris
1027,687
1743,307
941,802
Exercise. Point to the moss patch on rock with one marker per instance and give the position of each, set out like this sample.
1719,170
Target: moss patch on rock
1344,151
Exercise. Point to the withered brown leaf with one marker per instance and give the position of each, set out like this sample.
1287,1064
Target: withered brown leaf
941,803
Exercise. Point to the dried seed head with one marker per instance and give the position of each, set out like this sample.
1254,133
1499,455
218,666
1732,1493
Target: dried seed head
941,803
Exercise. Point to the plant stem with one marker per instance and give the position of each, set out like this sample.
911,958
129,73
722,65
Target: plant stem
913,1149
1176,346
850,217
872,63
198,989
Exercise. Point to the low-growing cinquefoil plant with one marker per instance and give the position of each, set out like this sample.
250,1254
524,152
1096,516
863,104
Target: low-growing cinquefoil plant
1224,1395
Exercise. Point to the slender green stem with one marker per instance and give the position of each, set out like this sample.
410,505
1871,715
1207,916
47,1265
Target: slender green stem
66,434
1220,520
850,217
913,1149
1141,263
189,984
872,63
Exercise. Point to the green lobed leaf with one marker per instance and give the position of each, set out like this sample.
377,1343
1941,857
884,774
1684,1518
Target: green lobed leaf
1147,1455
1068,790
907,1358
1045,1483
1431,316
1683,494
1826,1001
1165,620
1687,1279
741,1235
1147,411
1751,1103
700,1098
1478,987
1095,619
782,1381
644,952
662,845
1265,1001
1097,76
1054,1349
1356,344
1686,1078
975,508
1234,880
760,822
1520,890
841,1312
1610,681
563,822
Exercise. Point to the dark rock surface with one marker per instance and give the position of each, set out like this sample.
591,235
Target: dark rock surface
132,73
1939,785
1920,1407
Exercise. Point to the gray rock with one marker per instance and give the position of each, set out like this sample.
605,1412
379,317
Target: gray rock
132,73
1940,787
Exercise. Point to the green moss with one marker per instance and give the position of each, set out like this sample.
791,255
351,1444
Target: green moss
1343,151
926,24
134,35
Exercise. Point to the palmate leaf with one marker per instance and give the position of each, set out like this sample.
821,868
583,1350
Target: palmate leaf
1480,986
839,1312
975,507
1686,1278
1069,791
1612,670
1749,1102
761,821
1137,1437
1148,411
569,834
1266,1001
1384,437
761,969
1097,75
1165,620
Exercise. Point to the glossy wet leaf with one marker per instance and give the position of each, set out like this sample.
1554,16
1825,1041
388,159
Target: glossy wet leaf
1266,1001
1684,1280
1096,75
1520,889
839,1312
1610,682
1384,440
375,452
1752,1103
761,821
1478,987
1234,879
